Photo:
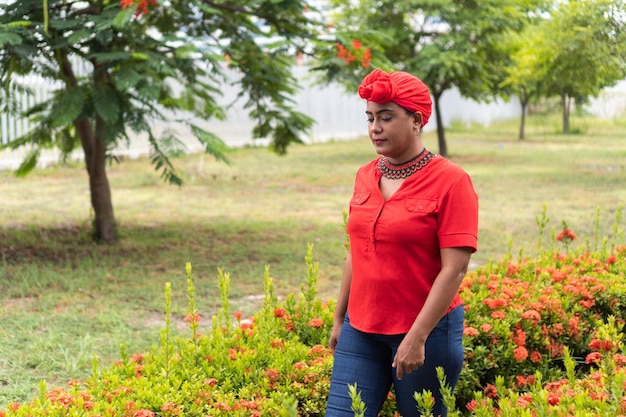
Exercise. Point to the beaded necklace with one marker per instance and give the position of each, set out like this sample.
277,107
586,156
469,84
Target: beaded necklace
405,169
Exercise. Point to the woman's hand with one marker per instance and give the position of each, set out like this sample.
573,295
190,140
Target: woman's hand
409,356
334,336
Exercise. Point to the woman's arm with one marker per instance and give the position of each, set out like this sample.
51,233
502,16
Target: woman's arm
454,263
342,303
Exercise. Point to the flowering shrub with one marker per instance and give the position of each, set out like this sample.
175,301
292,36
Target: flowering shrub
355,53
543,337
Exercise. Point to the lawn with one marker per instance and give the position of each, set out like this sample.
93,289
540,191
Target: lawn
65,299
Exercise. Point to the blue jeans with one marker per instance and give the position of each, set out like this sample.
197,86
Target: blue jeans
365,359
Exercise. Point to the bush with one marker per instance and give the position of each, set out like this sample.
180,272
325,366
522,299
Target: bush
543,337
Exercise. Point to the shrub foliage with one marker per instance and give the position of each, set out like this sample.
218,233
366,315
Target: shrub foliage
543,337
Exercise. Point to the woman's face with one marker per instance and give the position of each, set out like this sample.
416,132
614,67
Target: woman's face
393,131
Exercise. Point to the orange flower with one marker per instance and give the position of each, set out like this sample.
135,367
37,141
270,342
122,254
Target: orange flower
486,327
126,3
137,358
272,374
471,406
344,54
211,382
280,312
493,304
192,318
356,44
554,398
491,391
593,357
222,406
531,315
520,353
143,413
318,350
277,344
601,345
170,407
566,235
520,337
535,356
524,400
497,315
367,58
316,322
470,331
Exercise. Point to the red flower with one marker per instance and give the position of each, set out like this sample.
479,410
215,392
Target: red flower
344,54
470,331
316,322
280,312
566,235
491,391
601,345
471,406
126,3
524,400
137,358
486,327
356,44
554,398
520,353
277,344
532,316
211,382
143,413
593,357
535,356
192,318
367,58
272,374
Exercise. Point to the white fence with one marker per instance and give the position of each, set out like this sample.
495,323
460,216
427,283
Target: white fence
337,115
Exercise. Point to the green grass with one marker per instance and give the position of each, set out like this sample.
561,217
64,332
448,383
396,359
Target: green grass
65,299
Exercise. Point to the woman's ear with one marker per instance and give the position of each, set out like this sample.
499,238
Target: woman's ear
417,118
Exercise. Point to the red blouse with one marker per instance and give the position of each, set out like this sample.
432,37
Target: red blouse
395,244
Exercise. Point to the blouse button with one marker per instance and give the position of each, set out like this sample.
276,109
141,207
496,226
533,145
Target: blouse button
421,207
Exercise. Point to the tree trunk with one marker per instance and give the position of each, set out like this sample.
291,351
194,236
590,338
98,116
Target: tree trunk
566,101
522,127
441,133
94,147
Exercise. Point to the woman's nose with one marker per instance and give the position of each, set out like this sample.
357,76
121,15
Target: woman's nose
375,126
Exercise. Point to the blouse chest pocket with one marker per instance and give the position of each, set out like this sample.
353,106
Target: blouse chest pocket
421,205
358,199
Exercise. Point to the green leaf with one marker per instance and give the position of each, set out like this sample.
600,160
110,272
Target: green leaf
113,56
79,36
106,103
9,39
213,145
123,18
28,164
66,106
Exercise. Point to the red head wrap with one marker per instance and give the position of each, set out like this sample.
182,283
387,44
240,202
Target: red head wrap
400,87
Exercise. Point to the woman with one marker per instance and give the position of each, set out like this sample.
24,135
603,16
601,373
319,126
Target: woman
413,225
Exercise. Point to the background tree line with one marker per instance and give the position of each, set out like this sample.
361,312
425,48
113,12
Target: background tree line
155,60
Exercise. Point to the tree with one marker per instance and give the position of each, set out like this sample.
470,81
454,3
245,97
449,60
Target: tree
584,51
447,43
525,74
147,61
